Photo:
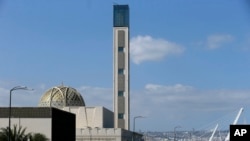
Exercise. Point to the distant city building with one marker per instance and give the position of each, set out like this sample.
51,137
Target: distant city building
121,66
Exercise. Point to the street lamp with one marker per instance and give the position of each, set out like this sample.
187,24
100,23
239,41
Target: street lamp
175,131
134,125
13,89
134,121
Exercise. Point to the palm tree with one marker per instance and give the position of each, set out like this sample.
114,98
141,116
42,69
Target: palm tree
4,134
16,134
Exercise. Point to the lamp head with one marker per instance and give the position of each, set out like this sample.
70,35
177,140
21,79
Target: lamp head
21,88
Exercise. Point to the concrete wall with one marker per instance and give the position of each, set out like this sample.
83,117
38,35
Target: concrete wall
92,117
32,125
54,123
103,134
121,81
108,118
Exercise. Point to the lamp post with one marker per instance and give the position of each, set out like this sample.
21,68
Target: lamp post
134,121
134,125
13,89
175,131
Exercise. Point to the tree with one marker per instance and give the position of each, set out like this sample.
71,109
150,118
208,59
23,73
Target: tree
16,134
38,137
4,134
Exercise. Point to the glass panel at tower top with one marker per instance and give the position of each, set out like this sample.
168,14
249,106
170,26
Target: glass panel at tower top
121,16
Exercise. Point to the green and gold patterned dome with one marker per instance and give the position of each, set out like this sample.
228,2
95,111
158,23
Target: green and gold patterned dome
61,96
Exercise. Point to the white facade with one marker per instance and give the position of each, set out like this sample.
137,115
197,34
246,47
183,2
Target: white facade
91,117
52,122
92,124
32,125
103,134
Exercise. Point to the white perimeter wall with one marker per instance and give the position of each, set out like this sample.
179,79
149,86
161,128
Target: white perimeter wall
99,134
33,125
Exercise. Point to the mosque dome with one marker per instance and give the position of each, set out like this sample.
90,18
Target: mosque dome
61,96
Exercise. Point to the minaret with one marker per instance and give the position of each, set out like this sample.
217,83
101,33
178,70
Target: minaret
121,66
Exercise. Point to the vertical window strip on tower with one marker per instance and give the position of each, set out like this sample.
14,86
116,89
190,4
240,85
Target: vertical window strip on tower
120,93
120,49
120,115
120,71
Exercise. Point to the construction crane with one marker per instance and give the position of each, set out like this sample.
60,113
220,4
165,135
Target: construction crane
212,136
235,122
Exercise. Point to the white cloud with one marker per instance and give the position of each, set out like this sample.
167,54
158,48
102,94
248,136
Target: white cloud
20,97
218,40
177,104
146,48
163,89
192,98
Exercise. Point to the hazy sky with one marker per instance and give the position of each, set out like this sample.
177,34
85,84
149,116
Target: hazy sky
190,62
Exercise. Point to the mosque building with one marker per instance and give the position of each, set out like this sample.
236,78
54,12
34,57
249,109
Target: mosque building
62,115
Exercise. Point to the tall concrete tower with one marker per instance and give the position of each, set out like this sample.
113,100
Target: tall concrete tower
121,66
